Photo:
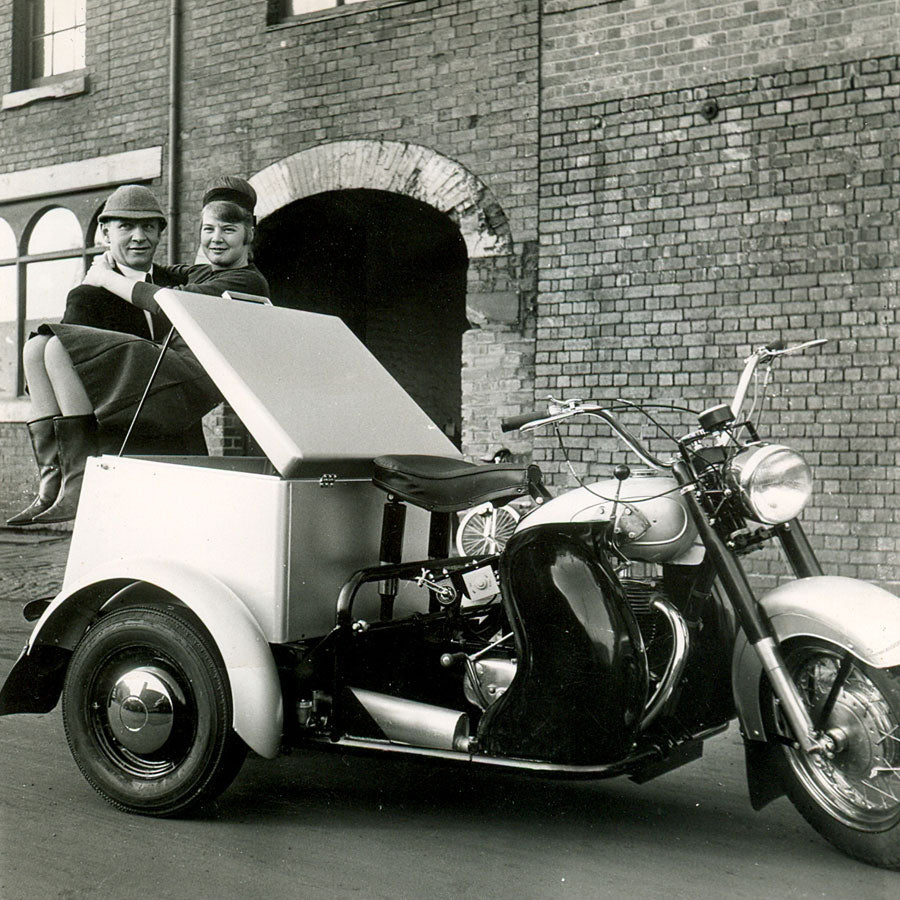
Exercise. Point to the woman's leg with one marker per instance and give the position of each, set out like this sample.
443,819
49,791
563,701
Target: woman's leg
43,398
70,395
41,431
75,431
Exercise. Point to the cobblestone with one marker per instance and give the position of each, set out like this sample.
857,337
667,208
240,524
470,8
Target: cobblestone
31,564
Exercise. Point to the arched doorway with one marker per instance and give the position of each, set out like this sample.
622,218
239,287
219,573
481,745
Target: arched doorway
393,268
434,249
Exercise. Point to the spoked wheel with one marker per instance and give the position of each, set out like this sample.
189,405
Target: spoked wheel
851,797
485,530
147,712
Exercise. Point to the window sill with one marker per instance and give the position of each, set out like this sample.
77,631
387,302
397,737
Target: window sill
54,90
15,409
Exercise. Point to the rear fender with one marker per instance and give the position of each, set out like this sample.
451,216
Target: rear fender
851,614
255,688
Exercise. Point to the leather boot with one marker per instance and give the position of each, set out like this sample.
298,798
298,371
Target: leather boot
43,443
76,438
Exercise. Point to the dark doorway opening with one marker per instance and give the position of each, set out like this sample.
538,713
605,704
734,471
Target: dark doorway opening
394,269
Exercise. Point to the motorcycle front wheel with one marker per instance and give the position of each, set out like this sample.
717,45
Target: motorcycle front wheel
147,712
852,798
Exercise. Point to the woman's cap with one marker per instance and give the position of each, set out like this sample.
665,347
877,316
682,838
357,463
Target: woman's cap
132,201
233,189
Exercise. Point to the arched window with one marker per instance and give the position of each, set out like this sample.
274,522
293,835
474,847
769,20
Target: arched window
9,311
34,284
55,264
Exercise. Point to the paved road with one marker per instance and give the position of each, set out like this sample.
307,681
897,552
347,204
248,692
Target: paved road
343,827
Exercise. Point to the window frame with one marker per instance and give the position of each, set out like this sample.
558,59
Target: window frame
22,217
26,89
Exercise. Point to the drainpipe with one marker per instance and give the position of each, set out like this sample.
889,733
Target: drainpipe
174,167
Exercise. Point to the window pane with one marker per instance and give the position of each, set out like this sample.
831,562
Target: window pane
7,241
9,351
298,7
46,286
57,229
41,50
57,36
8,304
39,23
61,14
65,52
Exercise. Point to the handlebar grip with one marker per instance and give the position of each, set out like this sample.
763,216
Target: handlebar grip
514,422
775,346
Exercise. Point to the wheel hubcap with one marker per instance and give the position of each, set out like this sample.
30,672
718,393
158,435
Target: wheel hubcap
141,709
859,782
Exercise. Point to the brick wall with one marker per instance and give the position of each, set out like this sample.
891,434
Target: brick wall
19,479
626,48
460,78
672,244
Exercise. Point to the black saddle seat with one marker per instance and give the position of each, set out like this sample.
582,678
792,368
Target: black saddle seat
441,484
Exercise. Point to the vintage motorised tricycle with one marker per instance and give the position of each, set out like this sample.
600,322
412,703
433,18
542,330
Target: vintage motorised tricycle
307,600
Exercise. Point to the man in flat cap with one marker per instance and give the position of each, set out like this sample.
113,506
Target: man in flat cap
132,224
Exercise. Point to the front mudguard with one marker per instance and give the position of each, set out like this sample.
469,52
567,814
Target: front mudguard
851,614
854,615
35,683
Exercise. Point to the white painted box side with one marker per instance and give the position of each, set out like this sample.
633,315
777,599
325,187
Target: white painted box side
232,525
285,547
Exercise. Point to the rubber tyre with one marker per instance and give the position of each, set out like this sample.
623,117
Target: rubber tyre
862,821
200,754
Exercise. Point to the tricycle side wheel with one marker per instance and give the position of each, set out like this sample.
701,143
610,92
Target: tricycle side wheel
147,712
852,798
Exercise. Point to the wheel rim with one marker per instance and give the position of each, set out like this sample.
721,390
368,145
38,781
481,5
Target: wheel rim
860,784
141,710
487,532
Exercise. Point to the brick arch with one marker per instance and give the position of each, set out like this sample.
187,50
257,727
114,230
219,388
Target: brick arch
396,167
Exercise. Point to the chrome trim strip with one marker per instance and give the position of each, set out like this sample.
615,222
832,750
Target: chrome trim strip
608,769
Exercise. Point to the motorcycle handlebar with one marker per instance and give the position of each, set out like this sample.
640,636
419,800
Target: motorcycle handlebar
577,408
763,355
513,423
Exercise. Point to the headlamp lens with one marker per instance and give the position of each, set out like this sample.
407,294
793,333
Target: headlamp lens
773,481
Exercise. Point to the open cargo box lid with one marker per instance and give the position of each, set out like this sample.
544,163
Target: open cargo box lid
303,384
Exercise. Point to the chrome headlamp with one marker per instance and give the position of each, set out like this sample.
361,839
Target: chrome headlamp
773,482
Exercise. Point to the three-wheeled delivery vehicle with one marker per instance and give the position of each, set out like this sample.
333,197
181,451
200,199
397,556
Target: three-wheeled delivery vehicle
307,599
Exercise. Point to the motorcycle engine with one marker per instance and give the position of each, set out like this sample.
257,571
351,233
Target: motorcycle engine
640,595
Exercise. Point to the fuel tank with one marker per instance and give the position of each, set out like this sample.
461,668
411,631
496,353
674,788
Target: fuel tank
581,682
651,518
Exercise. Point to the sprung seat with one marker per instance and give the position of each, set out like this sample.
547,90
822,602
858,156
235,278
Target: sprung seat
444,485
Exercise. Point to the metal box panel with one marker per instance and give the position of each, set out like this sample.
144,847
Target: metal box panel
303,384
284,547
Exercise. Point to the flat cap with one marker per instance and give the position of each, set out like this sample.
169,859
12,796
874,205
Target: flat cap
132,201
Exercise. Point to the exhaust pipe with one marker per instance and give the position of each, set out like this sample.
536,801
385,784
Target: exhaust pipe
675,668
414,723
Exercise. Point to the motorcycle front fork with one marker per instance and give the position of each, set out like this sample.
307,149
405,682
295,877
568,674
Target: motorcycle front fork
751,616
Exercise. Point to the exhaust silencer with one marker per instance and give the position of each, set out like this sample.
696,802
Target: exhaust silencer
418,724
